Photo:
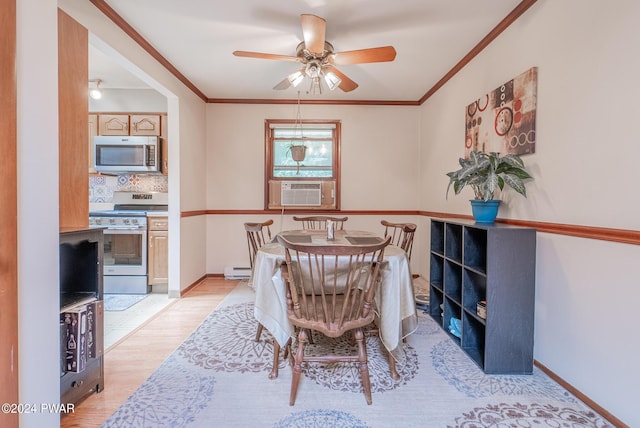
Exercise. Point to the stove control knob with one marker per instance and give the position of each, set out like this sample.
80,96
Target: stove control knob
97,221
126,221
134,220
112,220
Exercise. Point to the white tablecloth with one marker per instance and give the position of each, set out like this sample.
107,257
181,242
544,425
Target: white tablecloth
394,299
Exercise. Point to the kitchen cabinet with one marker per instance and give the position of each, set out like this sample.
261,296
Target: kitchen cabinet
144,124
158,250
126,124
113,124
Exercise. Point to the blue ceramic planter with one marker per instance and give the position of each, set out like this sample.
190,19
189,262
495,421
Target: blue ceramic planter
485,211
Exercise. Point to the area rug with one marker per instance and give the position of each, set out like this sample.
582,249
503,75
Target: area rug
121,302
218,378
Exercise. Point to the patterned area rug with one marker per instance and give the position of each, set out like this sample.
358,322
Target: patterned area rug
218,378
120,302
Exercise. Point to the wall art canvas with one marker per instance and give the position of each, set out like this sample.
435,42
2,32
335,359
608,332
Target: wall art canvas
504,120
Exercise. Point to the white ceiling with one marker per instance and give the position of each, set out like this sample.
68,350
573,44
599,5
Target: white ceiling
198,37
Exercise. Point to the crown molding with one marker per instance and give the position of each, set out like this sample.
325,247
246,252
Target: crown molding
520,9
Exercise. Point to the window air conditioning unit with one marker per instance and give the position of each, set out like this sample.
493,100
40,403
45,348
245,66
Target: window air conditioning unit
301,193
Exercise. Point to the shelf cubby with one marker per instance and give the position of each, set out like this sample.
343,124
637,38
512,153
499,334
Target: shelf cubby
452,309
437,237
472,341
436,304
453,242
475,248
453,280
474,289
471,262
436,274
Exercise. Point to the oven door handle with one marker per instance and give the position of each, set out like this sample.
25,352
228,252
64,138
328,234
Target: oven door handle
125,231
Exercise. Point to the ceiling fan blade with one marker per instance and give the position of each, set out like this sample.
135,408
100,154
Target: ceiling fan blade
363,56
346,84
265,56
313,31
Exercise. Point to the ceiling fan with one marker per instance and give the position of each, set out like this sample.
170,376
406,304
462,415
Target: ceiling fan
319,60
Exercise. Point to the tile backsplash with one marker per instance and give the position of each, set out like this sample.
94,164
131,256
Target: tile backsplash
101,187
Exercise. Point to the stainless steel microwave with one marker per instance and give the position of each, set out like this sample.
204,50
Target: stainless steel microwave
127,153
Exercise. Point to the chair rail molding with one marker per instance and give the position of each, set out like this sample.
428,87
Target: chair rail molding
625,236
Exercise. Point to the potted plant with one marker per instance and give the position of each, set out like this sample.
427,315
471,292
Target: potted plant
485,173
298,152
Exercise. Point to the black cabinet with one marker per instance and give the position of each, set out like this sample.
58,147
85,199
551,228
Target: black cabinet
491,266
81,314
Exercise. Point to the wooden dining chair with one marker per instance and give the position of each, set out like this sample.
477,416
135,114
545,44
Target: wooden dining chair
256,238
320,222
331,290
401,235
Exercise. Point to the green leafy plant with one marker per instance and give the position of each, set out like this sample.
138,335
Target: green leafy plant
487,172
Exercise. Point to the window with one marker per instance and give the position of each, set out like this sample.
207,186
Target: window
320,164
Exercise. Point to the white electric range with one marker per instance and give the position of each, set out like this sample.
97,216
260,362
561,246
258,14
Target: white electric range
125,239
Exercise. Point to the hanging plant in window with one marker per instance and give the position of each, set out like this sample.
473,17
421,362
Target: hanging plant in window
297,148
298,152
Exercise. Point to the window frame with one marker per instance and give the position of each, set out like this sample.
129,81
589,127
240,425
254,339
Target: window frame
269,161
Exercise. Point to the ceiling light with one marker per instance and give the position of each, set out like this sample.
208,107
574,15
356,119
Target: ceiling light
332,80
94,89
313,69
296,78
315,87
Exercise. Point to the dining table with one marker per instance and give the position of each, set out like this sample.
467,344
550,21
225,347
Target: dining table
395,301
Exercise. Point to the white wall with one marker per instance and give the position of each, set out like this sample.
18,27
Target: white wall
129,100
380,168
38,225
584,174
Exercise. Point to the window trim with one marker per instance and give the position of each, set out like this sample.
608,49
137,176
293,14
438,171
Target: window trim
269,124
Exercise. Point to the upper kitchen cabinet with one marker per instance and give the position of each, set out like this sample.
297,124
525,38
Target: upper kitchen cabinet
149,124
145,124
113,124
125,124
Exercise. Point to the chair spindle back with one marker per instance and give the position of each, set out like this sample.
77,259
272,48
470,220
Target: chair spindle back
320,222
256,238
401,235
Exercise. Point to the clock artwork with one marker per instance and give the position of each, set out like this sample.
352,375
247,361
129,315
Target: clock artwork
504,120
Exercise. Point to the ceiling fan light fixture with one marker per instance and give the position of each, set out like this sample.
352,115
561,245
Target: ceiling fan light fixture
315,88
312,70
319,58
332,80
296,78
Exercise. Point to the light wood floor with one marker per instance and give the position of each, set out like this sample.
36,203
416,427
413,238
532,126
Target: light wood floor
131,361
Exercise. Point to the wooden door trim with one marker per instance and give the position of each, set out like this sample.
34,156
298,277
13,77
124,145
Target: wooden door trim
9,214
